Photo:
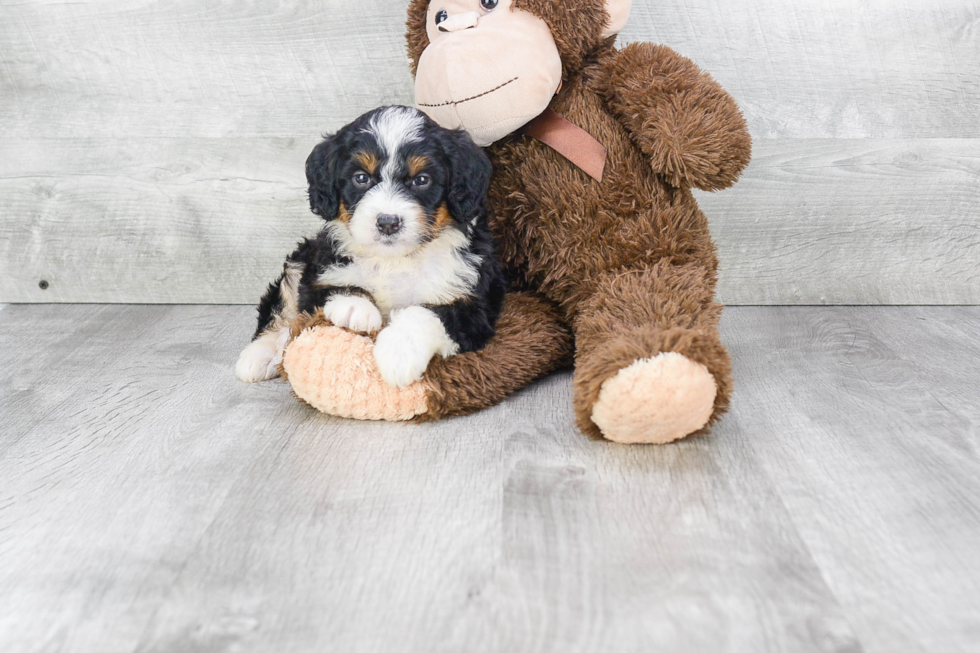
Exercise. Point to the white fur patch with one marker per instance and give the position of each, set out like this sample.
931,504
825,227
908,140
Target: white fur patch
393,128
405,347
260,360
438,273
386,198
354,313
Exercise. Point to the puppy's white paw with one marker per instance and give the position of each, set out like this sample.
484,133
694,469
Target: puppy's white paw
260,360
399,360
354,313
405,347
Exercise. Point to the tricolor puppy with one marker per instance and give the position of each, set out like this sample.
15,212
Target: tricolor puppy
406,249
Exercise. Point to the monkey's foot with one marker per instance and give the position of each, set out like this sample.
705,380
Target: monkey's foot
334,371
655,400
650,385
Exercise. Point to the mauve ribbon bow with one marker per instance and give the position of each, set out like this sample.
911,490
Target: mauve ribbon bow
569,140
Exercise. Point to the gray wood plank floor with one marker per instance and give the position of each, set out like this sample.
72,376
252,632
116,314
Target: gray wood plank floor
149,502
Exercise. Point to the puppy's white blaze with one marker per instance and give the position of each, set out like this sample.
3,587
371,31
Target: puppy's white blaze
354,313
385,198
393,128
438,273
260,360
404,348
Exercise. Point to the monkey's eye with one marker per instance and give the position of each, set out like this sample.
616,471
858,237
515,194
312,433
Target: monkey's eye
441,16
489,5
422,181
362,179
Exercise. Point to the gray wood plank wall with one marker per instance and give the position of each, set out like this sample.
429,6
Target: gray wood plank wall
152,152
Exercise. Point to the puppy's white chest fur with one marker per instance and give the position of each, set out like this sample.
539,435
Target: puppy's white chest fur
438,274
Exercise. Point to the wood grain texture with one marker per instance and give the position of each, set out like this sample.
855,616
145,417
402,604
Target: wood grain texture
851,222
211,220
866,421
152,220
197,68
152,503
152,152
891,69
836,69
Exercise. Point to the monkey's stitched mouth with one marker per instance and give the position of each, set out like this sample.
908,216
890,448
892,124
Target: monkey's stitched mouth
457,102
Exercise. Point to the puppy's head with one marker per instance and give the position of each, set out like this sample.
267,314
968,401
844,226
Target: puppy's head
393,180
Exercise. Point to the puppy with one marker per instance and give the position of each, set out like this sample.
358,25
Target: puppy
406,249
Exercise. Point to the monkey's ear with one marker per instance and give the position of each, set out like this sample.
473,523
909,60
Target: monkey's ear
469,176
322,172
619,13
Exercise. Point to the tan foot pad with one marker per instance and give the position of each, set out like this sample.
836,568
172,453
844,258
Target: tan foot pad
333,370
655,400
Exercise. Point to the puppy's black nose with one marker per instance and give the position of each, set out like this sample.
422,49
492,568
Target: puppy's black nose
389,224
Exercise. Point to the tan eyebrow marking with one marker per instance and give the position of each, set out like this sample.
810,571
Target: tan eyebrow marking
443,217
368,161
416,164
343,214
437,223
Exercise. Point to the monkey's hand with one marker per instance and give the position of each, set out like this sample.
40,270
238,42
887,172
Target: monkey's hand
678,115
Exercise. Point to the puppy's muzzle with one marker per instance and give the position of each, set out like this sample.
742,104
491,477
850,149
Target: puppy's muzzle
389,225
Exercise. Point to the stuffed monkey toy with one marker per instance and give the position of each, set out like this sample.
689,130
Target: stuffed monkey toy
595,152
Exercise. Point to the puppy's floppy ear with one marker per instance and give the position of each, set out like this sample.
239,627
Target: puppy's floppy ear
470,171
322,172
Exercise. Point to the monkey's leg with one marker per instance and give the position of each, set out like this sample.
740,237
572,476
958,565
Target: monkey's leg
334,370
650,366
530,342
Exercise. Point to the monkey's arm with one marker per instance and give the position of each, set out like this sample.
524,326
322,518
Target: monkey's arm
678,115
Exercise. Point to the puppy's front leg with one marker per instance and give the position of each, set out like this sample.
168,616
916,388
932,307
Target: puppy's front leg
405,347
260,360
354,312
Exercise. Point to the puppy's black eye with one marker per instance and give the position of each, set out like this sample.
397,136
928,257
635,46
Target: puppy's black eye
362,179
421,181
441,16
489,5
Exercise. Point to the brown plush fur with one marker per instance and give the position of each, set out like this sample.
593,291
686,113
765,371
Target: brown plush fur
628,262
680,117
530,337
576,26
416,36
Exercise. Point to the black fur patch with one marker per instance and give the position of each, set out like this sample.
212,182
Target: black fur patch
458,175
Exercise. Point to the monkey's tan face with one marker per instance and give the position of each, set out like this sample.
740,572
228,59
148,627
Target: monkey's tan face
489,68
